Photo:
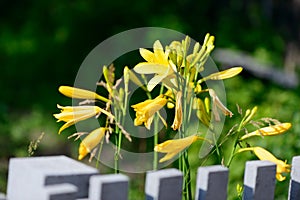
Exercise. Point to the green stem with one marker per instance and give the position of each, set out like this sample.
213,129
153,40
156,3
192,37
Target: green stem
185,167
101,146
116,158
155,155
217,147
118,138
156,120
231,155
120,134
181,168
119,148
99,155
187,178
236,142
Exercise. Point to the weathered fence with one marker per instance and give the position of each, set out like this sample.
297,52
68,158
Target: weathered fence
62,178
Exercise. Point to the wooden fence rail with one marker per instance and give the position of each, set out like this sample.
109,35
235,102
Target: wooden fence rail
62,178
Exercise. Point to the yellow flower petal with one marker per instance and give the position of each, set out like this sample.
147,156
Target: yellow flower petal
157,63
74,114
228,73
279,177
65,126
170,105
173,147
178,112
262,154
147,55
80,93
150,68
218,104
146,110
159,55
154,82
148,122
70,113
269,130
90,142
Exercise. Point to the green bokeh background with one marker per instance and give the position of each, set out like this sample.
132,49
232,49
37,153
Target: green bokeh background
42,44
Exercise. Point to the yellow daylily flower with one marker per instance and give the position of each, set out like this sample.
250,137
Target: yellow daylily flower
269,130
90,142
262,154
145,110
228,73
178,112
77,93
218,104
173,147
74,114
157,63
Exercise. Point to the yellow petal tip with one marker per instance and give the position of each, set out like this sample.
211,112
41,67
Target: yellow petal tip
80,157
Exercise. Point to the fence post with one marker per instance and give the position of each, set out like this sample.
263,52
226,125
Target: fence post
2,196
43,171
259,180
64,191
108,187
164,184
294,189
212,183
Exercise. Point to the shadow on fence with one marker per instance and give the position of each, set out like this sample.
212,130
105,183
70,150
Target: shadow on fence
62,178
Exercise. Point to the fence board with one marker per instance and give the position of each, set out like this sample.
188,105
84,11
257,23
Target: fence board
164,185
2,196
48,170
108,187
61,178
259,180
212,183
294,189
64,191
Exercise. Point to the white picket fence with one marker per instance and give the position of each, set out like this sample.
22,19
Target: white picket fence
62,178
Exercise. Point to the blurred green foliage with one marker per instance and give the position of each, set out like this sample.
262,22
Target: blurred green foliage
42,44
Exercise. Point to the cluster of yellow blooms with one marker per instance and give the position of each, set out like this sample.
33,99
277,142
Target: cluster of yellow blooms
177,73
